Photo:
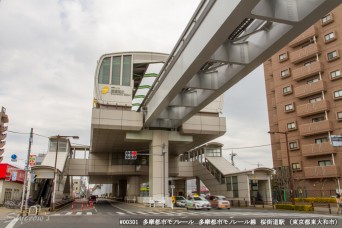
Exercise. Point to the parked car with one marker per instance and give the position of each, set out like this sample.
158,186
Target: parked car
180,201
219,202
197,202
92,199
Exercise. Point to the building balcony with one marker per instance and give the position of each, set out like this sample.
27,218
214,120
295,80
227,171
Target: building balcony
307,71
273,102
2,136
3,128
305,53
304,37
310,89
315,128
322,171
4,118
312,108
2,143
318,149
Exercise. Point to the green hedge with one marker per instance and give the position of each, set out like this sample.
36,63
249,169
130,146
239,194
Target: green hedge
294,207
316,200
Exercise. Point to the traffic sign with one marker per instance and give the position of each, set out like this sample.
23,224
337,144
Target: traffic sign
32,160
13,157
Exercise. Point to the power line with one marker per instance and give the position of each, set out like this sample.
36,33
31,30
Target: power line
248,147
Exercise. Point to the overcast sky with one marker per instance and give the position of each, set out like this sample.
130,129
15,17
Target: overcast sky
48,57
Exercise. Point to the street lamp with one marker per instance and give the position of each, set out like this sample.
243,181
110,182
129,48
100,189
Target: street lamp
52,200
288,162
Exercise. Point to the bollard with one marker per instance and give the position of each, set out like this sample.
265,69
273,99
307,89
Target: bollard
329,208
263,204
245,203
238,203
82,207
72,207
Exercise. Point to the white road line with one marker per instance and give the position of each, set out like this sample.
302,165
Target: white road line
153,213
130,212
12,223
143,213
56,215
68,213
89,213
120,213
79,213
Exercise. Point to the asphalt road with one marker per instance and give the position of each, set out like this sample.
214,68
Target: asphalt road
107,213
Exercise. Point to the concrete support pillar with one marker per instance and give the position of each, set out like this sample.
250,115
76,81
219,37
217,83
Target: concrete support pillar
122,188
198,185
158,164
115,187
133,186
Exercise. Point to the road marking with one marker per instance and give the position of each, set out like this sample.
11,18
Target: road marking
89,213
153,213
143,213
68,213
120,213
56,214
79,213
12,223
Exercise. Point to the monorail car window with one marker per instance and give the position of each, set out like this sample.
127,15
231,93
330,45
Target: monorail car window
126,71
104,71
116,68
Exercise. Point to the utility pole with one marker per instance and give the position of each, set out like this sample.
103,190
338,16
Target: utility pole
26,181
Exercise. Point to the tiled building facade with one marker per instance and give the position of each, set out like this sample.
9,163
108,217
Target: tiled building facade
304,97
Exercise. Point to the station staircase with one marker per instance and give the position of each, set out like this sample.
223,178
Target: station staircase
45,186
213,176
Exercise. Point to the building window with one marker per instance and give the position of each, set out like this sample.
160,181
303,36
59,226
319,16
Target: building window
333,55
313,100
327,19
126,70
104,71
338,94
339,115
318,119
291,126
62,146
235,186
287,90
229,183
294,145
296,166
329,37
321,140
324,163
335,74
289,107
285,73
283,57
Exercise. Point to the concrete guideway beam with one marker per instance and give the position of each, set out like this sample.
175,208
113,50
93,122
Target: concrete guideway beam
224,36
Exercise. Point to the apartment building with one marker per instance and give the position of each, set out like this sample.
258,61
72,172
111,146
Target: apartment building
3,129
304,97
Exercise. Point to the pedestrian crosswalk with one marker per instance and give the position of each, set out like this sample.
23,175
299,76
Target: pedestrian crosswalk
230,214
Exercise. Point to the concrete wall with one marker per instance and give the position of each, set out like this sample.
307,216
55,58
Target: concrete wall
10,185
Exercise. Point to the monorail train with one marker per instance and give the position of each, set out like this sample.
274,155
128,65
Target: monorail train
123,79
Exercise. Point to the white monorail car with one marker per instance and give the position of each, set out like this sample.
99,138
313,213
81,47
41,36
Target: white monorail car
118,76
